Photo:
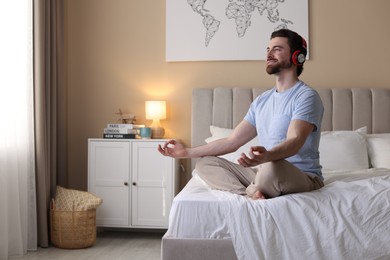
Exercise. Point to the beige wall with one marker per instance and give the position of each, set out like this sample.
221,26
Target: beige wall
116,59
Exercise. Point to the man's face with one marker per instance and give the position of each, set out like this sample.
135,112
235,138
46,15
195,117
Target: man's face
278,55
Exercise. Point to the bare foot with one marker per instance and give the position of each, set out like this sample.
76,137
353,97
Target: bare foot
258,196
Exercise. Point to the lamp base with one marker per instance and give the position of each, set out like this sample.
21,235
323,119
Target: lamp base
158,132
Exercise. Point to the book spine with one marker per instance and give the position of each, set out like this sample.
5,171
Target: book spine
126,126
119,136
119,131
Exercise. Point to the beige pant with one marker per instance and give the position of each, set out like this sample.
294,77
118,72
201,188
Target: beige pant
272,179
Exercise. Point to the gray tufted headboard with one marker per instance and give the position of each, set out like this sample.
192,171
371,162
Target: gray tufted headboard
345,109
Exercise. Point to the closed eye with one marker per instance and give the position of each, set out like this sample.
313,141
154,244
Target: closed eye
274,48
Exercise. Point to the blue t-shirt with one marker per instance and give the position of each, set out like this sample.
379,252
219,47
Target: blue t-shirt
271,113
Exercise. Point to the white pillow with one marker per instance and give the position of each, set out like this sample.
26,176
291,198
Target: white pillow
379,150
219,133
344,150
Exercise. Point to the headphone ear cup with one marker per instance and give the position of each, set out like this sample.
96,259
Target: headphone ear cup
298,58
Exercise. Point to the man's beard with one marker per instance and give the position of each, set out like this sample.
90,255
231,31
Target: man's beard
277,67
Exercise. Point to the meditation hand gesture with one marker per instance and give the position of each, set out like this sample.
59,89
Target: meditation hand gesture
257,155
173,149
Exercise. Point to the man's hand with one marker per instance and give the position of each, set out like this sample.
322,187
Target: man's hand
257,155
173,149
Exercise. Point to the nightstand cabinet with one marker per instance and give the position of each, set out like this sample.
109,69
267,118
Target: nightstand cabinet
137,184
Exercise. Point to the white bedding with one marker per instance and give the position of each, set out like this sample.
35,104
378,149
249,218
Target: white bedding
351,211
196,213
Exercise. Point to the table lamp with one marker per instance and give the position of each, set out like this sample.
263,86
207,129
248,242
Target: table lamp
156,110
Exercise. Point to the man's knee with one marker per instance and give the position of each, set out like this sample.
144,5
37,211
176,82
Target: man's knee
270,172
269,178
205,161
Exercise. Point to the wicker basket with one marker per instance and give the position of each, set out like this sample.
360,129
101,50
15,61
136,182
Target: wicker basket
72,229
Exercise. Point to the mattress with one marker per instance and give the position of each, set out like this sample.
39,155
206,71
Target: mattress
318,220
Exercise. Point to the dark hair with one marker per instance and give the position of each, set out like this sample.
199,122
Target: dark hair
295,41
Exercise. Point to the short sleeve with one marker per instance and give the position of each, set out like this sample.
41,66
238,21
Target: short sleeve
309,108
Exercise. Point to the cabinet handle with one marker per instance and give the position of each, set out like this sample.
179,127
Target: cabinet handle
126,183
134,184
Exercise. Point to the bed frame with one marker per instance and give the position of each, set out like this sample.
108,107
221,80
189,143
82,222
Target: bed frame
345,109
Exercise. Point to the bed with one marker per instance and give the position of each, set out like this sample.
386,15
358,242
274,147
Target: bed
349,218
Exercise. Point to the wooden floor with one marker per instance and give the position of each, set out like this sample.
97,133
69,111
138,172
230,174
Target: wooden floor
109,245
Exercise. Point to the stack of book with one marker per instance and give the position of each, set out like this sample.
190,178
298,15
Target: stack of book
121,131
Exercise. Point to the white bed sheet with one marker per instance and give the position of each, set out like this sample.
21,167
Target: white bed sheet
351,211
196,213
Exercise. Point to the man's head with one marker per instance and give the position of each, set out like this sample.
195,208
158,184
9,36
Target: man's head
297,51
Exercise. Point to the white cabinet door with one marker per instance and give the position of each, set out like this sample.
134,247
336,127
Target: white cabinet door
152,185
108,178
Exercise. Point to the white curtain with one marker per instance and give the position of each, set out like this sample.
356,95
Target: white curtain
18,228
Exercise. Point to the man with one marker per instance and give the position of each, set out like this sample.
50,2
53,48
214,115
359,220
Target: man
286,119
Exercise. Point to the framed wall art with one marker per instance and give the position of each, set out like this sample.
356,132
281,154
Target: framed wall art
212,30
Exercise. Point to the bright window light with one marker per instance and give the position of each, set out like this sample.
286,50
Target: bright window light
16,63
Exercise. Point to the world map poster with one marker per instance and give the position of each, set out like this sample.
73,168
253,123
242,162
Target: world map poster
212,30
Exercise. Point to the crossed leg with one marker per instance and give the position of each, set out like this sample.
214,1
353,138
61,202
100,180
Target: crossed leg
280,178
268,180
222,174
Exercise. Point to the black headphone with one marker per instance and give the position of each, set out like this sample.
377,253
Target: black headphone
299,56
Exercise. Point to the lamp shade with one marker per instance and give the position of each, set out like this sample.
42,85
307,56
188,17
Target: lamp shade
155,110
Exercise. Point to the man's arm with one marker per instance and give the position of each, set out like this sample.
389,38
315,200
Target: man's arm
297,133
243,133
